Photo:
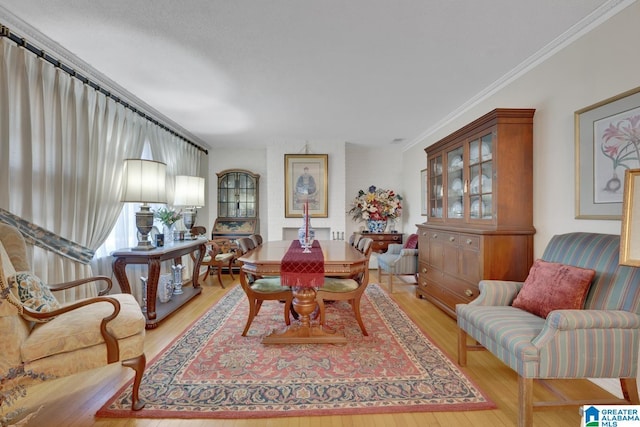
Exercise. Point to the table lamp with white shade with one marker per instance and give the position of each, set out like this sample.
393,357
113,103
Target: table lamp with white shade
144,181
189,193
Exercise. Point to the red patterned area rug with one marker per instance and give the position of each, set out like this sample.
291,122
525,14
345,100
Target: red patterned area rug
211,371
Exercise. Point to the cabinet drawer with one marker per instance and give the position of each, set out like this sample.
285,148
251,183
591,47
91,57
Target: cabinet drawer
469,241
443,296
443,237
464,292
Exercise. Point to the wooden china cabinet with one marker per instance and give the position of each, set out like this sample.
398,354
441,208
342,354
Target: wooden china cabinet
238,208
480,208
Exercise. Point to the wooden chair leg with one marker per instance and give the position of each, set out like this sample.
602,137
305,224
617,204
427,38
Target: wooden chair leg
525,402
462,347
231,261
252,313
630,390
356,310
390,282
287,312
137,364
321,312
220,277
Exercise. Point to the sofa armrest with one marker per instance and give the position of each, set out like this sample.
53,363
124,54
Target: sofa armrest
393,248
567,320
497,292
67,285
113,352
408,252
594,331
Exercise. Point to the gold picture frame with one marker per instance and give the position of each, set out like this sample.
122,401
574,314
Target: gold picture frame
605,148
630,234
306,178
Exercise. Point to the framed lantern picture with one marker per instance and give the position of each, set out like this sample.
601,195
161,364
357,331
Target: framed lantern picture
306,180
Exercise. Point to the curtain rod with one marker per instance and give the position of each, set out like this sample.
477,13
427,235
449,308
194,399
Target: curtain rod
6,32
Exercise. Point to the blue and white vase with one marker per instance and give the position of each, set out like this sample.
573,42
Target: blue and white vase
301,231
375,226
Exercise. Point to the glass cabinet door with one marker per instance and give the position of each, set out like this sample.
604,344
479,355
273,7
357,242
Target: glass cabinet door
435,187
237,194
455,188
480,194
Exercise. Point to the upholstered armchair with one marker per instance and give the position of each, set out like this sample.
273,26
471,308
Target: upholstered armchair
47,340
400,259
575,316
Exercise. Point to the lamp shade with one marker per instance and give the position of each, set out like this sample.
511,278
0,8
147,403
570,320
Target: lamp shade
144,181
189,191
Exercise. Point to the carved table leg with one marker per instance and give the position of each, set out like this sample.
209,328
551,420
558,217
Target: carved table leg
304,303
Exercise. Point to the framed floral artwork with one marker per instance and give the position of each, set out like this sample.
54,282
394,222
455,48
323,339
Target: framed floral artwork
630,233
305,179
607,143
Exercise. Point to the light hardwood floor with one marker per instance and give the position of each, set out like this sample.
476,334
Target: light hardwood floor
73,401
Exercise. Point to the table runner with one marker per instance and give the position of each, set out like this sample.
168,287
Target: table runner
301,270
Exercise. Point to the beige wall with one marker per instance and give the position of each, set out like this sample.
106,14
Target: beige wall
599,65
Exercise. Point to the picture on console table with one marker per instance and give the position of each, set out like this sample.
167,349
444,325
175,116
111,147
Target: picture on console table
305,179
607,144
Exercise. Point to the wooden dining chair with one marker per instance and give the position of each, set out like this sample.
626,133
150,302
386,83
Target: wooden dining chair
218,255
260,289
257,239
347,289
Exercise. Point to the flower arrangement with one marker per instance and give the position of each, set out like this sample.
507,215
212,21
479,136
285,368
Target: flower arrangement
167,217
376,204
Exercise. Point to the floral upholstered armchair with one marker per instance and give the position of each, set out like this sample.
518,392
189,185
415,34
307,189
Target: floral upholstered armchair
577,315
43,339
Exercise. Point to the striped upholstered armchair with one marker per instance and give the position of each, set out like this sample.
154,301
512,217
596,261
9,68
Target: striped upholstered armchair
399,260
600,339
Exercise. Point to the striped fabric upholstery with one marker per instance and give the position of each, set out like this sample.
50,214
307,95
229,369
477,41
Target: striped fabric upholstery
600,341
614,287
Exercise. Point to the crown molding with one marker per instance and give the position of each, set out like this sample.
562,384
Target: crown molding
593,20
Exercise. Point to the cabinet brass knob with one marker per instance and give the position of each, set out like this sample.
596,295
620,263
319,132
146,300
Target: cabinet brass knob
468,292
424,269
469,241
435,235
451,239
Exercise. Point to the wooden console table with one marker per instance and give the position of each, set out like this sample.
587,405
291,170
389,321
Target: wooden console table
381,241
173,250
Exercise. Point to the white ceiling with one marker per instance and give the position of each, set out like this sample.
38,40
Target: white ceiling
254,72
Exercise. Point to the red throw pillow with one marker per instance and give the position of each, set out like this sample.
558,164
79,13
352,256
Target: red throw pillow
411,243
553,286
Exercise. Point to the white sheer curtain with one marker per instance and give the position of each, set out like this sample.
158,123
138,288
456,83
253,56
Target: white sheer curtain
63,145
181,158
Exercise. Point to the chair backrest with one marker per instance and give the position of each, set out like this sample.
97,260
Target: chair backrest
257,239
198,230
365,245
15,329
246,244
614,287
352,239
15,246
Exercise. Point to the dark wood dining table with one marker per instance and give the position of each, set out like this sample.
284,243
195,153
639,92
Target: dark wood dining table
340,260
